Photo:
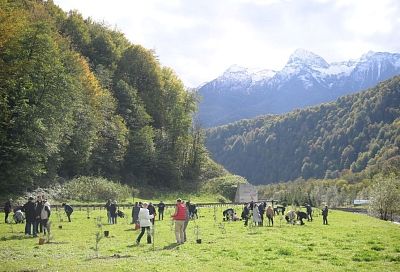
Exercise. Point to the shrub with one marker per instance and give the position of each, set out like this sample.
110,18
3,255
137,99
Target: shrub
95,189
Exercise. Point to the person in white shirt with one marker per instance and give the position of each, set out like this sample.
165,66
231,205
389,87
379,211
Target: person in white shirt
145,223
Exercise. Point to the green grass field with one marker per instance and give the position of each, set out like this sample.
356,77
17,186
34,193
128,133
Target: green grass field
350,242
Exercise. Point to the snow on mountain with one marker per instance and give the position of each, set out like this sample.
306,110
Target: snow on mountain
306,79
304,57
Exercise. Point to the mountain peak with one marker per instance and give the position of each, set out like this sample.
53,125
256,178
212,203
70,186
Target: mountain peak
236,69
302,56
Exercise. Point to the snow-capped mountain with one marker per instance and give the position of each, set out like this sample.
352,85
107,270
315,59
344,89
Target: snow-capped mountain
306,79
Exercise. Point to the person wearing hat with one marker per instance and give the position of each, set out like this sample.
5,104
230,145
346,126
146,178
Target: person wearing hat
7,209
29,209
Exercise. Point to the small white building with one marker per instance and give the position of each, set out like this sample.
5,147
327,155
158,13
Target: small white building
246,193
360,202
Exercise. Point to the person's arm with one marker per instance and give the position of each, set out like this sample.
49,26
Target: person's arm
176,211
46,208
148,215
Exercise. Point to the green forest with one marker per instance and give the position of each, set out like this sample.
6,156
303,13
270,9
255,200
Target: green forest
358,134
79,99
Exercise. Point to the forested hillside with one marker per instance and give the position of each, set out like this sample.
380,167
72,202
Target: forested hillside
356,133
77,98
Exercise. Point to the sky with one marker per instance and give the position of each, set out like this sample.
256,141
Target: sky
200,39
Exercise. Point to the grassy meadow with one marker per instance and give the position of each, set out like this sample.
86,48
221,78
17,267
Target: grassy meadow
351,242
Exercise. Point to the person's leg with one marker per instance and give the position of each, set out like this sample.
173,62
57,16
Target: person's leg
143,229
27,227
44,224
6,217
272,220
184,230
177,231
35,228
162,215
148,235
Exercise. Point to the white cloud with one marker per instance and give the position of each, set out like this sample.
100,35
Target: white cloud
200,39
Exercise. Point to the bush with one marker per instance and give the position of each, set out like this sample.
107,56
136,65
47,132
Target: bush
95,189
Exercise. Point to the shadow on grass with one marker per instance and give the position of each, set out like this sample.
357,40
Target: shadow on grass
132,229
171,246
114,256
16,237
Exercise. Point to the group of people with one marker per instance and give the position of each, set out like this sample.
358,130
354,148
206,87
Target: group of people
292,216
37,214
112,211
143,215
257,211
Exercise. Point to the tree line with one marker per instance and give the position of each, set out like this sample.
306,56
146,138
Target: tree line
78,99
358,133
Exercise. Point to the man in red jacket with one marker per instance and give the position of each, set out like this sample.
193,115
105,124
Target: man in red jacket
179,216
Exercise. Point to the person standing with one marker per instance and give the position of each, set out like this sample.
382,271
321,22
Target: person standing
179,217
29,210
135,213
113,212
152,211
7,209
38,210
309,212
45,215
261,210
107,206
145,223
270,216
325,215
256,215
161,207
68,210
245,214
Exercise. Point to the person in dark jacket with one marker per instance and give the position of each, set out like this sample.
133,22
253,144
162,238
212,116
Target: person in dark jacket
325,215
261,210
38,211
309,212
113,212
29,209
68,210
7,209
301,216
135,213
245,214
161,207
152,211
107,206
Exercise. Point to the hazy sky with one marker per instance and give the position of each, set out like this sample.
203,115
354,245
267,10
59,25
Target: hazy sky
200,39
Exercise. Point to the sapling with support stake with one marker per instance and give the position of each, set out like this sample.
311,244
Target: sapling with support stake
98,235
215,216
